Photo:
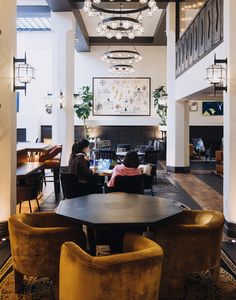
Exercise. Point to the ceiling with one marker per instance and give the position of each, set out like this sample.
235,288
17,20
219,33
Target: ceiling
86,34
149,23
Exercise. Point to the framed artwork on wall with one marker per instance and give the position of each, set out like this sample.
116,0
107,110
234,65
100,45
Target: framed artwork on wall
193,106
213,108
118,96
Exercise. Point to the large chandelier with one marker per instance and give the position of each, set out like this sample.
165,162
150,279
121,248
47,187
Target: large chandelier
117,22
121,60
121,56
121,69
120,27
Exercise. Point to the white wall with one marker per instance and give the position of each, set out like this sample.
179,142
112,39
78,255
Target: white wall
193,80
196,118
38,48
153,65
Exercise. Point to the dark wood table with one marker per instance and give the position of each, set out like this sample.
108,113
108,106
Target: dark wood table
118,211
27,168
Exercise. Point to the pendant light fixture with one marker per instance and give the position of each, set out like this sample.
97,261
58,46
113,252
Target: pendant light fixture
120,22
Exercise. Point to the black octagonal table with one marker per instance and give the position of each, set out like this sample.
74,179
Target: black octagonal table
117,212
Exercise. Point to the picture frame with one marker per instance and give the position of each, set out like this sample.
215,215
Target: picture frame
193,106
213,108
121,96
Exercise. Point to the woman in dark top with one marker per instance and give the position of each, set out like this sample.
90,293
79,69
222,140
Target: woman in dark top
79,164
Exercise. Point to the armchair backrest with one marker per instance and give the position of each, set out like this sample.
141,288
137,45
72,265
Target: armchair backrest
71,187
132,275
129,184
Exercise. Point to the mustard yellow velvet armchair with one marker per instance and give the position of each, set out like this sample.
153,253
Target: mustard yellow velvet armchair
191,242
134,274
36,241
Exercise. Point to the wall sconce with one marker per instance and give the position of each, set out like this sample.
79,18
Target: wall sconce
23,73
62,100
77,99
217,74
49,102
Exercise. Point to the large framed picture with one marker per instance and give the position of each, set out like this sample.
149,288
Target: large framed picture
213,108
117,96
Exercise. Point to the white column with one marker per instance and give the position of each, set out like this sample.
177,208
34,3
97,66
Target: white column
63,25
230,119
178,117
7,110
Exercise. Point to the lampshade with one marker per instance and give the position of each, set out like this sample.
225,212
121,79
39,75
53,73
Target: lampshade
216,74
25,73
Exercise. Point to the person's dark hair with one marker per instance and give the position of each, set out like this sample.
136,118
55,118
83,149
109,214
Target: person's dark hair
131,159
74,150
83,143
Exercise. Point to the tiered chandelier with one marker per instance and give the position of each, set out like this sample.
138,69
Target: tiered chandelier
117,22
121,60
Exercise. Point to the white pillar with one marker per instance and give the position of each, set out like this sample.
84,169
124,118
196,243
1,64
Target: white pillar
63,25
7,110
178,116
229,119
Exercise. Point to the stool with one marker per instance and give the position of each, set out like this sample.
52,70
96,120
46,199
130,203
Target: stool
52,162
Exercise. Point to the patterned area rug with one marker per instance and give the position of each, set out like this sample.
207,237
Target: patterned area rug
199,286
163,185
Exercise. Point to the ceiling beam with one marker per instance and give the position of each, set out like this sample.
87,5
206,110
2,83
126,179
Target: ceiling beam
82,43
103,41
159,37
59,5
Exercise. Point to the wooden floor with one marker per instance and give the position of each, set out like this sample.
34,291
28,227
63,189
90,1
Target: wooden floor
201,192
192,190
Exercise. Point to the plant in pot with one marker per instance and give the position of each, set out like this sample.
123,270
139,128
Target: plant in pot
83,105
160,103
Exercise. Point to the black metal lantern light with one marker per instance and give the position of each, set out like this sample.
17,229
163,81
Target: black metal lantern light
217,74
23,73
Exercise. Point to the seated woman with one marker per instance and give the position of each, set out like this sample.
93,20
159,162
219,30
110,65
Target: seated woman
129,167
79,165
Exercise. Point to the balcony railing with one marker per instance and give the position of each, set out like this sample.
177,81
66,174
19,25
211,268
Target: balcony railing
202,36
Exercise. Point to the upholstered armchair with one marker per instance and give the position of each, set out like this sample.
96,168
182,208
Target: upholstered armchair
191,242
36,241
134,274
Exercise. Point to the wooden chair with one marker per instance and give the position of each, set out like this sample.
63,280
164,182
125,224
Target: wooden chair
129,184
28,189
52,160
71,187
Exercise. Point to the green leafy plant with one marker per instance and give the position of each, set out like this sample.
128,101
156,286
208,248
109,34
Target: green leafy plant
83,105
160,104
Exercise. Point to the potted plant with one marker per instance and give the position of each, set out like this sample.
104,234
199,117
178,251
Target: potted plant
160,103
83,105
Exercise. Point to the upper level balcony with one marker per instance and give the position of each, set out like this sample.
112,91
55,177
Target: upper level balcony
202,35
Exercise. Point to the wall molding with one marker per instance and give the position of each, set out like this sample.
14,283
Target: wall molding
230,229
4,229
178,169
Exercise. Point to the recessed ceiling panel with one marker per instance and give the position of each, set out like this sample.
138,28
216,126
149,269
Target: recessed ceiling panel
150,23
